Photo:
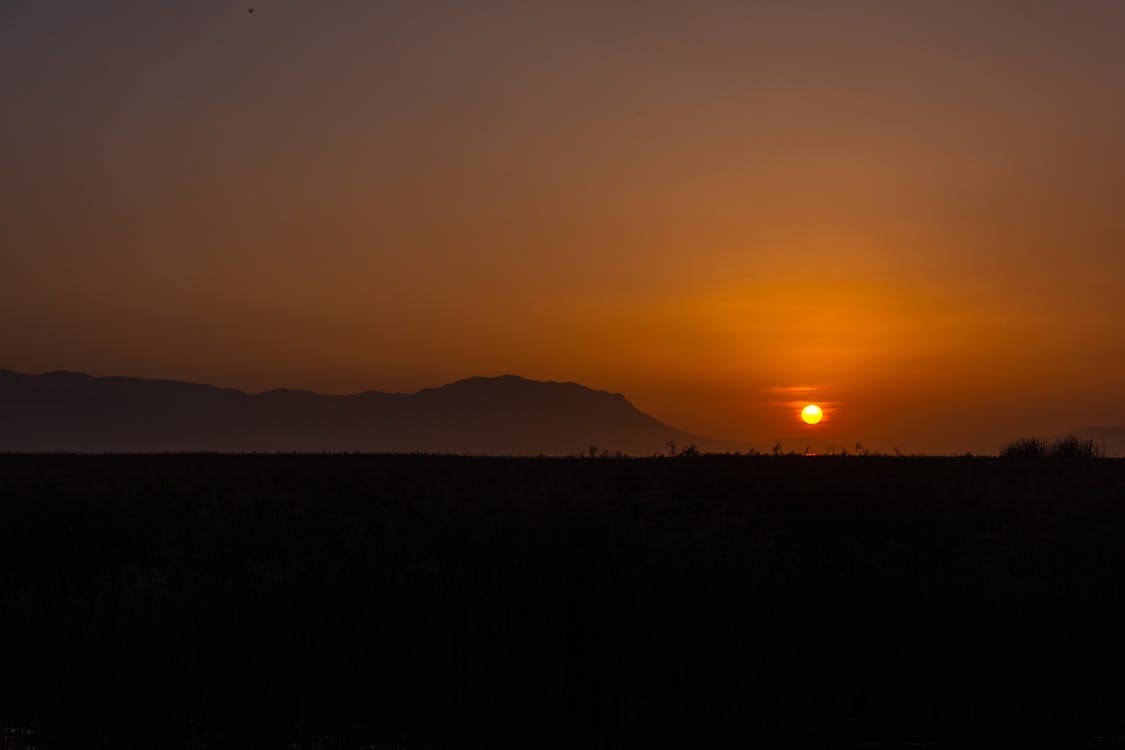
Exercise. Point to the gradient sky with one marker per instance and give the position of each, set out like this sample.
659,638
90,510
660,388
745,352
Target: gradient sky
912,213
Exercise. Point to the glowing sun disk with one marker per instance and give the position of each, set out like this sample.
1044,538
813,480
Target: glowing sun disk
812,414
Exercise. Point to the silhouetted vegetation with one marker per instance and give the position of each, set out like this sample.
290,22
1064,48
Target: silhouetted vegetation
1070,446
220,601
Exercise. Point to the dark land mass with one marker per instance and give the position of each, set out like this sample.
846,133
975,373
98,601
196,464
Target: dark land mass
348,601
507,415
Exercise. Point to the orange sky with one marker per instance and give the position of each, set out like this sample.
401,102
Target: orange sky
907,212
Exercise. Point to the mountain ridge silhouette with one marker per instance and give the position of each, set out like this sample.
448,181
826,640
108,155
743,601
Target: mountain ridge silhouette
65,411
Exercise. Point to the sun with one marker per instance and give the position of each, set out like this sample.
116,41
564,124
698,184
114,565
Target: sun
812,414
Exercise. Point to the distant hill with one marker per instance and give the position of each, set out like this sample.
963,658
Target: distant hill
67,411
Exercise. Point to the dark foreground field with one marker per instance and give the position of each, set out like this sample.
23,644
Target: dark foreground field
213,601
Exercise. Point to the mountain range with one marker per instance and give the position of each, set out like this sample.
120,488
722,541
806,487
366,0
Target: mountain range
506,415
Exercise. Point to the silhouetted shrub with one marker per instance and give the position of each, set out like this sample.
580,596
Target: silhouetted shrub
1025,447
689,451
1070,446
1073,446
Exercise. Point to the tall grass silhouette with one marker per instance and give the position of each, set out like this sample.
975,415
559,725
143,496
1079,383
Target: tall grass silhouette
1068,446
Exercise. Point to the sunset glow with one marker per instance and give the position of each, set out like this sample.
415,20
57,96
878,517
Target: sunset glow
685,203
